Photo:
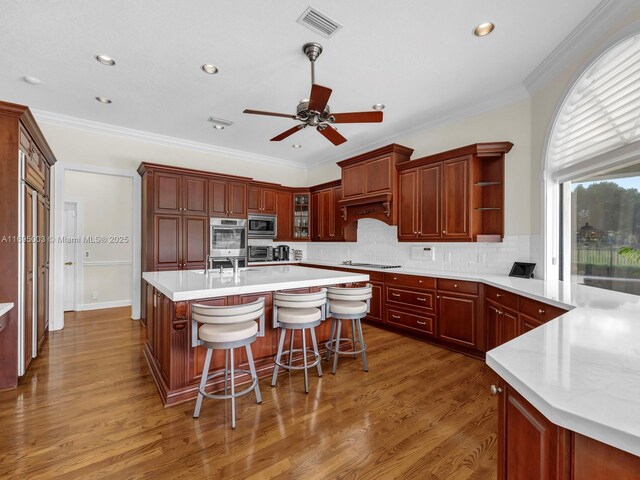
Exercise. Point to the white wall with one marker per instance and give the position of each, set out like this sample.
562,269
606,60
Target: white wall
106,211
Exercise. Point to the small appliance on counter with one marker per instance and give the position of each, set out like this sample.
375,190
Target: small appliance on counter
297,255
260,253
281,253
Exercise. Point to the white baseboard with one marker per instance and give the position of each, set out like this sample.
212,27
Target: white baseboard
96,306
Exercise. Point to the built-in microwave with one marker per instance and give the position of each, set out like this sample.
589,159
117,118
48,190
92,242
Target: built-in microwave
262,226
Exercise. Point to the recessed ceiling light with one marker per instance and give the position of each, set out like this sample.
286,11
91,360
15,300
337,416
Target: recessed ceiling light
103,99
378,106
218,127
295,145
31,80
105,60
483,29
210,69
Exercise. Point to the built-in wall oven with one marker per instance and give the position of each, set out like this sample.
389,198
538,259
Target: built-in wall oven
262,226
228,239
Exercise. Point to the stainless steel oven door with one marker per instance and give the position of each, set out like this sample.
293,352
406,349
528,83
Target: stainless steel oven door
228,239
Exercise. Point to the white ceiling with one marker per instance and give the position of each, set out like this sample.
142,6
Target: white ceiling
416,56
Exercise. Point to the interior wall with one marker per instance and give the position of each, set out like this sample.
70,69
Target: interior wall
106,218
76,146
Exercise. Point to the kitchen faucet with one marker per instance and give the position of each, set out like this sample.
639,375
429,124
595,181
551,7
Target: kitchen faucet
234,263
207,266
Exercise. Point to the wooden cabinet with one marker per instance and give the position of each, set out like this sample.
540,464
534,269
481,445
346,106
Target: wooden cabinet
25,161
326,224
301,215
459,320
175,193
410,303
501,316
262,198
456,195
284,213
227,198
534,313
529,445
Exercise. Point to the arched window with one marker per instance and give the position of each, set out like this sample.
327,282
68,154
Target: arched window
593,174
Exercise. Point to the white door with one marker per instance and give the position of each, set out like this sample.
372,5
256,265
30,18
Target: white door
70,254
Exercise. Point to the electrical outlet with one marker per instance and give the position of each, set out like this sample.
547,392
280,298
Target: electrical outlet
423,253
87,254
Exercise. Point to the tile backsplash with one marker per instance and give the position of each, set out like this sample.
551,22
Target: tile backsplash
378,243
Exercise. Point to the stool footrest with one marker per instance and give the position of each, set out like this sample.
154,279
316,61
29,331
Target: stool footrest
330,346
298,367
237,394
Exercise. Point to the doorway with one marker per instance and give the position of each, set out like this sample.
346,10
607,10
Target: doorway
72,231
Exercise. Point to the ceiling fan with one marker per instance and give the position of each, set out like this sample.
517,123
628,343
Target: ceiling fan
315,111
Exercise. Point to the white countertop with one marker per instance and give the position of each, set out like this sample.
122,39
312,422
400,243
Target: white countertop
185,285
581,370
5,307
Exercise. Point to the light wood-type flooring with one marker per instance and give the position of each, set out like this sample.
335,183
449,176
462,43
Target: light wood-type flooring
88,408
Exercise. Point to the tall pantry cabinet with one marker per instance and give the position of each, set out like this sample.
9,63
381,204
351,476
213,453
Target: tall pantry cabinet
26,160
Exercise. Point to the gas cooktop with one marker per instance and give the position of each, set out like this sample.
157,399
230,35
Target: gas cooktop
370,265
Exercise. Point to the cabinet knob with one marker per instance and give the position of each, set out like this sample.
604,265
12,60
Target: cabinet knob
438,297
498,295
455,285
541,311
444,232
419,232
419,281
495,390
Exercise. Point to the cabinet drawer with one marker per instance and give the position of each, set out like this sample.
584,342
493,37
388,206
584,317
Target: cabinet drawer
424,299
415,281
508,299
423,323
458,286
538,310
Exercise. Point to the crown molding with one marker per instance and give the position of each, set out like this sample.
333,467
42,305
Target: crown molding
580,40
488,104
50,118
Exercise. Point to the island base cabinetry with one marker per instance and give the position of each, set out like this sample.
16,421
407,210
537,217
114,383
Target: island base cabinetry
532,447
176,367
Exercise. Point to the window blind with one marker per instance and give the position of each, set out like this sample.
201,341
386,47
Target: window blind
601,113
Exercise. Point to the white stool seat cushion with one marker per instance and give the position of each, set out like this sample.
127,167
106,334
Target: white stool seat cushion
299,315
345,307
230,332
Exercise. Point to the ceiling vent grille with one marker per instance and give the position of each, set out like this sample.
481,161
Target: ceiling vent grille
319,22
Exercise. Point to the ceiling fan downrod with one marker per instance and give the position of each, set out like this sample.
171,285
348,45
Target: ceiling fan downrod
312,50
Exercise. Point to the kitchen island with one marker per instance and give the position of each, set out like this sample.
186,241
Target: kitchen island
175,365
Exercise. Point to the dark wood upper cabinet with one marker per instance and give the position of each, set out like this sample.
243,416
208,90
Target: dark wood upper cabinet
227,198
262,198
408,204
168,192
195,195
353,180
327,225
460,195
284,213
315,216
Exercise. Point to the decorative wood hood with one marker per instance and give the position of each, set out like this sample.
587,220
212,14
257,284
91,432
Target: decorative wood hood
369,184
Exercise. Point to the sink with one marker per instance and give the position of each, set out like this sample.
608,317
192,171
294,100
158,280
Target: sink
226,271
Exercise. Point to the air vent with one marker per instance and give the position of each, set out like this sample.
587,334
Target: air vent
220,121
319,22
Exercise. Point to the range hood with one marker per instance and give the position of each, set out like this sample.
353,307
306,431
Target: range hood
369,184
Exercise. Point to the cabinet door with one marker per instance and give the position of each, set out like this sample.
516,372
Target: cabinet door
316,216
253,200
40,268
379,175
327,217
195,246
354,180
408,205
237,199
338,223
529,445
509,325
528,323
268,200
430,202
284,214
195,195
167,242
455,199
167,192
492,321
218,198
459,320
30,276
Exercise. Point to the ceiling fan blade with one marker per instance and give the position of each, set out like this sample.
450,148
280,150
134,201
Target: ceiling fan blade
319,98
289,132
357,117
270,114
331,134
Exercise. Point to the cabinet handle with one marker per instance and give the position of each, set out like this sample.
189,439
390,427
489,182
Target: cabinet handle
395,316
420,323
541,311
395,294
495,390
421,299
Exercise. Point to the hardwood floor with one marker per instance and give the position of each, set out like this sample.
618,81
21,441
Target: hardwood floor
88,409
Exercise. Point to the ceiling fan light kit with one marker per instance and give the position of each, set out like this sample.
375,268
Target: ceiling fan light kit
315,111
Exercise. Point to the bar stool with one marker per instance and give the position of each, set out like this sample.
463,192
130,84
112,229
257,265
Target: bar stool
226,328
348,304
298,311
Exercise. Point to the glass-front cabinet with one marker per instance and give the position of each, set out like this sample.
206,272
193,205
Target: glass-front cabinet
301,217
